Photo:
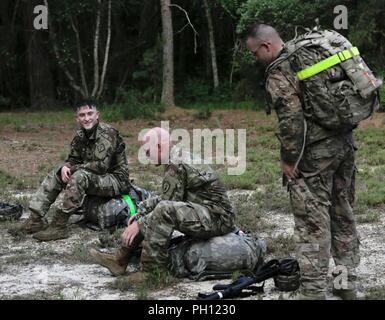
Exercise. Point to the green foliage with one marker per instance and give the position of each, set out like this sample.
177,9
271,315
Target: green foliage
5,180
148,77
131,104
203,114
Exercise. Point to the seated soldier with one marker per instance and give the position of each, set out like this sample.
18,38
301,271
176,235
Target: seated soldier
97,165
193,201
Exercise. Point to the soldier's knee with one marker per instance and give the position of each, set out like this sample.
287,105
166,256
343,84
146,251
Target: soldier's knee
162,208
79,176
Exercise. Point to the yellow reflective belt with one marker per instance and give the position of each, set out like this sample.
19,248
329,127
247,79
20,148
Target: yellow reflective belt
327,63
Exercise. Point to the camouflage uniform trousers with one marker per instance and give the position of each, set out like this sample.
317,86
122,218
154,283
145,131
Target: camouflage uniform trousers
70,197
192,219
321,201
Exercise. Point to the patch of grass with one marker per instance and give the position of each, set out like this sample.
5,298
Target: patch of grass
121,283
281,246
55,294
142,293
154,280
371,186
159,279
376,293
80,254
6,180
30,121
370,217
203,114
226,105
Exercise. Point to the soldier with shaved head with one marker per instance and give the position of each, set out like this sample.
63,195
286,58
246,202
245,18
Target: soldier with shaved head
317,159
193,201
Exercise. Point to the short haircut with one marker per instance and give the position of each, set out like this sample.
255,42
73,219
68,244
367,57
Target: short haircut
85,103
261,31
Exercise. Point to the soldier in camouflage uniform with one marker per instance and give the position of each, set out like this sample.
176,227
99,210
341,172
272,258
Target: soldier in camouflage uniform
320,177
97,165
193,201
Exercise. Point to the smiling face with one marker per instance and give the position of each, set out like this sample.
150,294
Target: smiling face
87,117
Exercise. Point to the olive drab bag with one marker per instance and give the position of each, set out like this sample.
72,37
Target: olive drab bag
338,90
217,257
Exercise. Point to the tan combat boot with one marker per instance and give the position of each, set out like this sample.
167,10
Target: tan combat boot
117,263
33,224
56,230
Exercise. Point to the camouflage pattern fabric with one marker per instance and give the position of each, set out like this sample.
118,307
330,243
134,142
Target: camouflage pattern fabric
101,153
98,167
105,213
193,202
217,257
322,200
322,197
284,93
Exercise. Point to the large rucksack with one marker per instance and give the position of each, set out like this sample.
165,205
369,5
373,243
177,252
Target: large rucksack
338,90
217,257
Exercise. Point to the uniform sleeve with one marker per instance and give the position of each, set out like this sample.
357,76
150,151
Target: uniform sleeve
74,159
174,183
287,104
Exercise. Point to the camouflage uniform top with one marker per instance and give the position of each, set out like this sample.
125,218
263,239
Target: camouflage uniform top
101,153
188,182
284,94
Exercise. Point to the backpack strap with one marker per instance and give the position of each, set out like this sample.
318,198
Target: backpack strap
327,63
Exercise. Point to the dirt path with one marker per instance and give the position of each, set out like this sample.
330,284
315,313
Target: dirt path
62,269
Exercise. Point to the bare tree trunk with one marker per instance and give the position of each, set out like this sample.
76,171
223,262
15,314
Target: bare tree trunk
68,74
80,57
96,50
106,52
40,79
212,45
168,54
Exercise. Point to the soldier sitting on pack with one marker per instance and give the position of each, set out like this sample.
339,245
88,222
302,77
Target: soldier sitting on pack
193,201
97,165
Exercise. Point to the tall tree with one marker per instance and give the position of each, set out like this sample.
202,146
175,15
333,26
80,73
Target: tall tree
40,79
168,54
212,45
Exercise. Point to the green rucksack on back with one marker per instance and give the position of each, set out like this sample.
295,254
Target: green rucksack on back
338,90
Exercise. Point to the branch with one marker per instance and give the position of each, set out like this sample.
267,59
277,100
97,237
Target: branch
59,59
14,15
106,53
96,53
81,64
189,23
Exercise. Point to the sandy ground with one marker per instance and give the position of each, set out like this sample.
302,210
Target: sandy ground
62,270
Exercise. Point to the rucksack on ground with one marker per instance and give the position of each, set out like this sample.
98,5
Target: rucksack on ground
217,257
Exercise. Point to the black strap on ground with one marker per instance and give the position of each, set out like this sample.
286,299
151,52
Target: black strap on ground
235,289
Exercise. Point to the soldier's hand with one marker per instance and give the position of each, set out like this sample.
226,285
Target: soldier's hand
289,170
131,220
65,174
130,233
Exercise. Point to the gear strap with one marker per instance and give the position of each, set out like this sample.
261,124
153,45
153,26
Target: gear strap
327,63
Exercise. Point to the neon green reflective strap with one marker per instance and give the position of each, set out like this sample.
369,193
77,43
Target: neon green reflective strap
327,63
130,204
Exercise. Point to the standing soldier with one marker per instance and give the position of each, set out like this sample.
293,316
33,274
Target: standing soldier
193,201
315,86
97,165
